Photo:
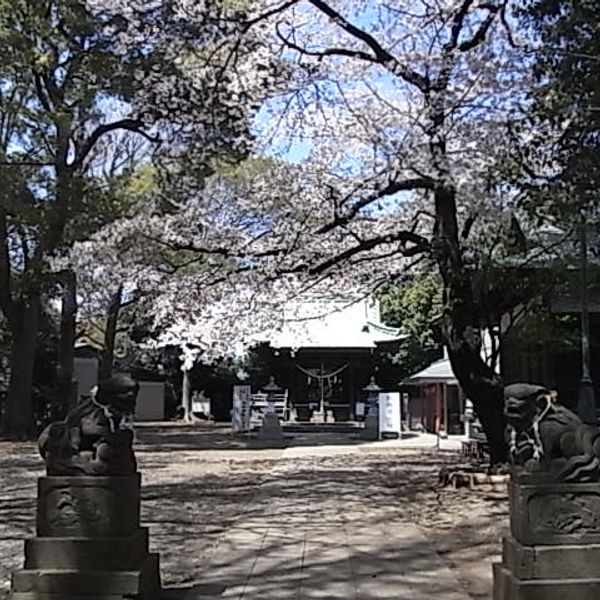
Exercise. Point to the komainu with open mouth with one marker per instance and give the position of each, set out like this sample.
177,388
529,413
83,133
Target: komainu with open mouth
547,441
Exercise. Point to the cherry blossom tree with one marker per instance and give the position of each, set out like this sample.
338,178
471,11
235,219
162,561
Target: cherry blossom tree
389,134
74,75
397,113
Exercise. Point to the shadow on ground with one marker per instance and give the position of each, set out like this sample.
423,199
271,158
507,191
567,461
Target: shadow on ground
193,496
357,490
200,438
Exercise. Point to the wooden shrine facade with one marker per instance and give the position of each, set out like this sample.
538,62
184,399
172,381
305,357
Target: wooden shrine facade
324,379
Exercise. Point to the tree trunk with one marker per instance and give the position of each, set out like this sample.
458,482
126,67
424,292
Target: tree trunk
462,328
485,389
110,335
66,388
18,418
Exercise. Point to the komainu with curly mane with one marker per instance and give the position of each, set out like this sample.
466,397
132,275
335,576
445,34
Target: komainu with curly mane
96,436
547,441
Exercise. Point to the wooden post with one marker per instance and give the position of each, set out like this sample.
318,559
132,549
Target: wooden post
445,406
185,395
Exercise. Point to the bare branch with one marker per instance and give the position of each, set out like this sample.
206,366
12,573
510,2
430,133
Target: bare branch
468,226
382,56
328,52
269,13
133,125
479,35
41,93
507,28
393,187
457,24
419,246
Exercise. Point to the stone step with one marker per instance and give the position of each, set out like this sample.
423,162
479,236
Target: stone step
96,554
38,596
551,562
62,583
509,587
340,427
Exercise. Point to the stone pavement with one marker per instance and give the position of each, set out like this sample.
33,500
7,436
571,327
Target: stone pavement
311,535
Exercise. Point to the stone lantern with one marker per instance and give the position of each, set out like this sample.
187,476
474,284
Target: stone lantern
371,429
271,389
271,428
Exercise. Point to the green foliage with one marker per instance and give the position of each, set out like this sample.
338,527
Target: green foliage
414,307
561,332
567,66
244,171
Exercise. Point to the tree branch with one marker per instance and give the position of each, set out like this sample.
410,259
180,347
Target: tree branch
420,245
42,96
269,13
328,52
6,301
468,225
393,187
479,35
133,125
382,56
457,24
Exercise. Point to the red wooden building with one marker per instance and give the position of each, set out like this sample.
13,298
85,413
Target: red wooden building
436,402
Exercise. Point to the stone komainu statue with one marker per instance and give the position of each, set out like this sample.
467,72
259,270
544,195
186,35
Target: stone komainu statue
547,441
96,436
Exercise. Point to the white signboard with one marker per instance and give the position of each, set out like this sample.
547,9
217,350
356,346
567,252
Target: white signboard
201,407
389,413
240,414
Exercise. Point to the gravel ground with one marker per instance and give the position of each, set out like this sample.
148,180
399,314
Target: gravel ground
197,483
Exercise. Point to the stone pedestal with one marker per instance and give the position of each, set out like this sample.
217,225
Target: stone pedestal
370,431
553,551
317,417
89,543
271,429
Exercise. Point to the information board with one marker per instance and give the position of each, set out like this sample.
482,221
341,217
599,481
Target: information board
390,417
240,414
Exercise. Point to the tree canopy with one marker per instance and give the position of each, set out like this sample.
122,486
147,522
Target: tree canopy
386,140
84,87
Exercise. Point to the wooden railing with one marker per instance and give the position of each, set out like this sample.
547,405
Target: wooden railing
259,405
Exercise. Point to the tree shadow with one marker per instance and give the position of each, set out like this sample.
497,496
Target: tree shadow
202,438
367,495
191,510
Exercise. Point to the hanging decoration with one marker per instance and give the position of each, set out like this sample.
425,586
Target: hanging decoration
320,374
331,377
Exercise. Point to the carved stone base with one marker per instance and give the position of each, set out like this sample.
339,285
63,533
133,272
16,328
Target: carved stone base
555,513
89,545
88,506
554,550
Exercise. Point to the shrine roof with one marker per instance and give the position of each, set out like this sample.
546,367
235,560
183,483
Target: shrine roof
439,371
333,325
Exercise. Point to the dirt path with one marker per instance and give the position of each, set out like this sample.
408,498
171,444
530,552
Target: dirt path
197,485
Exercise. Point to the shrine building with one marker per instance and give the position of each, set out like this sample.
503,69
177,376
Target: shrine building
324,355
